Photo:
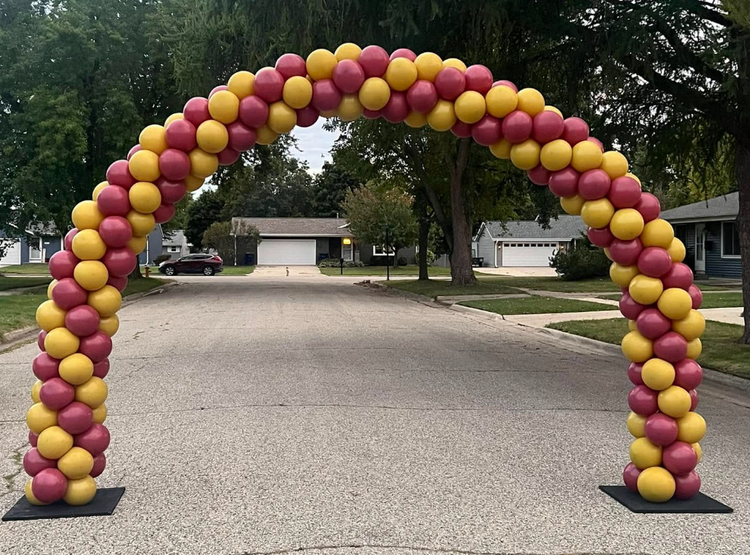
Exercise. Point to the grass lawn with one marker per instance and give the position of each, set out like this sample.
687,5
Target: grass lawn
535,305
236,270
141,285
721,351
433,289
380,271
710,299
37,268
593,285
7,283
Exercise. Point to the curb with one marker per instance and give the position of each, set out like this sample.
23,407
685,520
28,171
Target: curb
399,293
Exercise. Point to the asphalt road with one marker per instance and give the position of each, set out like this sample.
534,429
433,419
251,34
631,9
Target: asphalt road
267,414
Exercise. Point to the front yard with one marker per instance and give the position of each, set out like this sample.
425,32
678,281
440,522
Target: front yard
36,268
8,283
236,271
381,271
536,305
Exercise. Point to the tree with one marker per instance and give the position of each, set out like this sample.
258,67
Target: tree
204,211
229,241
381,214
330,188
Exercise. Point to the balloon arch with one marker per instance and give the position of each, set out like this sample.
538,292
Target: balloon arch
66,422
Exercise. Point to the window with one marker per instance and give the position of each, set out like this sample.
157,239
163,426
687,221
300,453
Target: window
730,240
174,249
378,251
35,249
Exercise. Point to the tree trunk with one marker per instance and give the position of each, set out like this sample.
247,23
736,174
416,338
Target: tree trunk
424,233
462,272
136,273
742,166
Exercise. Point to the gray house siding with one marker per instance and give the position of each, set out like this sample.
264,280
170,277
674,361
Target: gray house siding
486,249
153,246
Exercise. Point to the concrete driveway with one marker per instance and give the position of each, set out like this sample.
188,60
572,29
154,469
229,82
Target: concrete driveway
275,415
519,272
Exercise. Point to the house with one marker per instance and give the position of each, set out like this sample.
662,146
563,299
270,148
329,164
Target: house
35,245
525,243
307,241
175,245
710,231
153,246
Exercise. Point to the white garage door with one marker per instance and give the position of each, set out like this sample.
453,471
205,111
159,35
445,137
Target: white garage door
12,253
527,254
287,252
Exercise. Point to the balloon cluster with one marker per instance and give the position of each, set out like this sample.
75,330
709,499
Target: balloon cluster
67,434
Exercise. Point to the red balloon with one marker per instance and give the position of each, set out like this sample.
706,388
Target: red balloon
671,347
101,368
40,339
308,115
679,458
634,373
241,137
422,96
172,192
643,400
649,207
82,320
505,83
34,463
630,477
113,201
174,164
487,131
119,262
76,418
594,184
461,130
661,429
45,367
374,61
33,438
478,78
548,126
56,393
575,130
517,126
688,374
228,156
625,253
118,282
291,65
96,346
693,399
95,440
100,463
326,96
450,83
118,173
652,324
625,192
132,151
269,85
115,231
601,237
216,89
397,108
348,76
253,111
180,134
678,275
403,53
49,485
196,111
68,294
564,183
629,308
68,241
164,213
369,114
597,142
539,175
654,262
697,295
687,485
62,264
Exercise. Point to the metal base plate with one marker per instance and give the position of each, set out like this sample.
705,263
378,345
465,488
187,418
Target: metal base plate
103,504
699,504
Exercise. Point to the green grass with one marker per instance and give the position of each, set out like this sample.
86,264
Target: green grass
141,285
237,270
25,269
721,350
380,271
433,289
18,311
535,305
711,299
7,283
594,285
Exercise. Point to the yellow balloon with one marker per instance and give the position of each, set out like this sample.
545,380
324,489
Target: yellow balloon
674,401
202,163
553,109
614,163
501,101
645,289
632,326
30,494
348,51
455,62
224,106
622,275
401,74
328,114
193,183
644,454
416,120
145,197
76,463
297,92
91,274
656,485
142,224
694,349
50,316
60,343
241,84
633,176
626,223
86,215
350,107
443,116
109,325
530,101
320,64
39,417
657,374
92,393
470,107
586,156
572,205
597,213
657,233
50,287
54,442
106,301
35,391
76,369
374,93
698,450
144,165
556,154
154,138
212,136
691,428
637,348
677,250
608,253
136,243
428,66
88,245
691,326
100,413
80,492
98,189
265,135
281,118
501,149
525,155
171,119
637,424
675,303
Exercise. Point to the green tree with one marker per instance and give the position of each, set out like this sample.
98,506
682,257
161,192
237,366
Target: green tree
229,241
330,188
203,211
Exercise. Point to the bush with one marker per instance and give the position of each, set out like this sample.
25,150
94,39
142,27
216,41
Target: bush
336,263
161,258
581,262
402,261
431,257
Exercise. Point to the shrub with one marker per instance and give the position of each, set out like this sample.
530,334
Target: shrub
402,261
336,263
581,262
161,258
431,257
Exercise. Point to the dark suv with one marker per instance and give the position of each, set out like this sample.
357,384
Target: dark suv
206,264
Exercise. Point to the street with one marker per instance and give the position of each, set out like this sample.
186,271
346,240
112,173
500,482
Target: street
270,414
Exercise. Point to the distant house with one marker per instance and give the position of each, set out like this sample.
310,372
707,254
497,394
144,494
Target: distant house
524,243
153,246
710,232
175,245
307,241
35,245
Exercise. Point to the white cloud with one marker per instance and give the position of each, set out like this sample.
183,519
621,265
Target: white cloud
314,145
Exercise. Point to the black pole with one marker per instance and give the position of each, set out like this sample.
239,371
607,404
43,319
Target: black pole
387,257
341,261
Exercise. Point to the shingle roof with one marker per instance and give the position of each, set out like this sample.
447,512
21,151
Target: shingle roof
564,227
726,206
299,227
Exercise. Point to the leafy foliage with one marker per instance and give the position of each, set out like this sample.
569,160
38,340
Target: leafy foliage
581,261
220,236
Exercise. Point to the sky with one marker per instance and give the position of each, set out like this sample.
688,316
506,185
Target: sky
314,145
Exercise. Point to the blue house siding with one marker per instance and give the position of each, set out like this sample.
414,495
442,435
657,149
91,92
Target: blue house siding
51,245
716,266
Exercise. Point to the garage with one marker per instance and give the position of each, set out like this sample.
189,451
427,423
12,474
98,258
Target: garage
12,253
286,252
527,254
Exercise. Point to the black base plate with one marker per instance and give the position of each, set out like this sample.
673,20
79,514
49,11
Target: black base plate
699,504
103,504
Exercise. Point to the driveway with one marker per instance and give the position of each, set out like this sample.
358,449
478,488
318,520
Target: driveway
270,415
519,272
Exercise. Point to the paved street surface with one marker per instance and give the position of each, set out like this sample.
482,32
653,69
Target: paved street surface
267,414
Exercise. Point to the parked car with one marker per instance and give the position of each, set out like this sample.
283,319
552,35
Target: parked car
206,264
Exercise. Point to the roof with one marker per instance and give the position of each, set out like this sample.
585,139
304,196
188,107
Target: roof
298,227
174,238
725,207
564,227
